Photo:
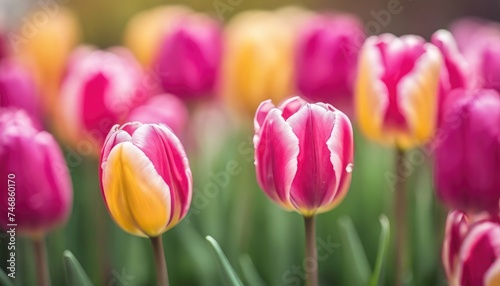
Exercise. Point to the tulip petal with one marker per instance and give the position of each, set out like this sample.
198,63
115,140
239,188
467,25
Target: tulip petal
261,114
290,106
316,177
170,161
276,151
492,277
137,197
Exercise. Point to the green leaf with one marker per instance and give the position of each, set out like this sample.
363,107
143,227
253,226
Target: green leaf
383,246
75,275
356,257
226,267
4,279
249,272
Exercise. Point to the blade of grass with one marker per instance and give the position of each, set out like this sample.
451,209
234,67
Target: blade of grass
378,276
75,275
356,257
226,267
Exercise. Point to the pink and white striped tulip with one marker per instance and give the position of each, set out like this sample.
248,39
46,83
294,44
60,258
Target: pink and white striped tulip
164,108
457,226
454,73
35,174
98,91
326,58
479,263
303,154
145,177
397,89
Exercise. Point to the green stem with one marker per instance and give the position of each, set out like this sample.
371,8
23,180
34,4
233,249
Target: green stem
400,208
311,253
42,266
161,264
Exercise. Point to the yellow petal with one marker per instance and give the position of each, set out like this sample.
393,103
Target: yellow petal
137,196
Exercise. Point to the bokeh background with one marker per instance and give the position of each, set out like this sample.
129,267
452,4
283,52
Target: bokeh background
262,242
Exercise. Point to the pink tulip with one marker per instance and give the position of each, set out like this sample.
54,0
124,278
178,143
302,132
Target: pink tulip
457,226
479,263
454,73
98,91
326,58
145,177
189,57
38,177
467,160
397,90
303,154
163,108
18,89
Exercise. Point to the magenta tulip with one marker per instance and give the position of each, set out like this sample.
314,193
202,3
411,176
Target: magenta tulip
189,57
303,154
98,91
38,178
18,89
326,58
146,181
457,226
479,263
467,160
163,108
454,73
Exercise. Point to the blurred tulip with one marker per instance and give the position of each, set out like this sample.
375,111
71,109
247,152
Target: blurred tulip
17,89
47,51
467,159
479,263
99,90
465,30
146,181
258,60
455,70
303,155
326,59
189,57
145,30
396,90
164,108
457,226
37,173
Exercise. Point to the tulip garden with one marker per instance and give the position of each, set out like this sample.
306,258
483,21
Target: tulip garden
288,146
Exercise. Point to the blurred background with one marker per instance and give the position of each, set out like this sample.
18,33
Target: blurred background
263,243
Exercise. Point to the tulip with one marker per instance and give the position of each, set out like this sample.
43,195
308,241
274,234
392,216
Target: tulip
99,90
326,58
189,57
18,90
145,30
164,108
480,256
466,163
38,190
45,51
258,60
457,226
455,71
303,159
396,90
146,182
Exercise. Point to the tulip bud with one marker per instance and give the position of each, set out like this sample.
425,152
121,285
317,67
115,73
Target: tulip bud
454,73
326,58
99,90
303,154
145,30
457,225
36,174
396,90
189,57
164,108
258,60
18,90
480,256
145,177
466,163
